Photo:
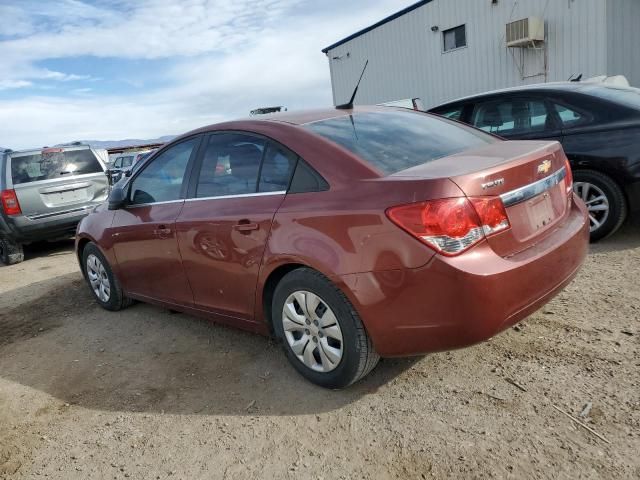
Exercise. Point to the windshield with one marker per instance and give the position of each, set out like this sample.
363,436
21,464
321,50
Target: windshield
627,96
52,163
396,140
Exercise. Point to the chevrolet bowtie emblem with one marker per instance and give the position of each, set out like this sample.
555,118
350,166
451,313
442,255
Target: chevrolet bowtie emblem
544,167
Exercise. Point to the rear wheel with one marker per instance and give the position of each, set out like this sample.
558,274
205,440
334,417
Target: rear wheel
321,332
604,200
10,251
103,283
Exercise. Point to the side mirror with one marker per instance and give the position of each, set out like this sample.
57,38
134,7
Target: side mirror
117,199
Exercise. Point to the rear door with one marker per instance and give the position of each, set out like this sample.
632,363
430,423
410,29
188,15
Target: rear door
517,118
144,234
57,180
239,183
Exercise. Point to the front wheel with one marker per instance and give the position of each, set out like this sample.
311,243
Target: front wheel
103,283
605,202
321,332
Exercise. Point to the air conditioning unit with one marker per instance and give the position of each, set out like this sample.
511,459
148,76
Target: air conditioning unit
526,32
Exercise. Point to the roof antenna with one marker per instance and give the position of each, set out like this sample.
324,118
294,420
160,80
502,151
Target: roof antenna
349,105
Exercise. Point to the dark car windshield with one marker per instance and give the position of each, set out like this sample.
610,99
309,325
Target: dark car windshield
52,163
396,140
627,96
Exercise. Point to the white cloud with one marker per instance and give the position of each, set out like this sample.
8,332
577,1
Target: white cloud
9,84
229,57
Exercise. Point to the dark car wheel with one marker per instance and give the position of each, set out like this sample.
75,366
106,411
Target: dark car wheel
321,332
605,202
10,251
103,283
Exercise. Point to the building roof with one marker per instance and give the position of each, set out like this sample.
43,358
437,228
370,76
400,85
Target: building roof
402,12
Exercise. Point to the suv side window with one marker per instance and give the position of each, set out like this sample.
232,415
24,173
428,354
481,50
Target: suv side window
277,167
230,165
161,180
512,117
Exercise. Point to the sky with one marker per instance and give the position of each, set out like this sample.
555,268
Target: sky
109,70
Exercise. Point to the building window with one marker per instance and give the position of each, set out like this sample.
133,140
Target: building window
454,38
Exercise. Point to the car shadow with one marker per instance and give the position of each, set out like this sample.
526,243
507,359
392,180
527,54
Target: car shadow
147,359
48,249
627,238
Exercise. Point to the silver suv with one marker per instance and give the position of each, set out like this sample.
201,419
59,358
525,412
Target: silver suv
45,193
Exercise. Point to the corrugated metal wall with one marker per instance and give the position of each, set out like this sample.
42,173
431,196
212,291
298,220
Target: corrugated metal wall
623,34
406,58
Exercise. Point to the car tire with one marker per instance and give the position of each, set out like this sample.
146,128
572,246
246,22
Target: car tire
327,342
605,201
10,251
103,283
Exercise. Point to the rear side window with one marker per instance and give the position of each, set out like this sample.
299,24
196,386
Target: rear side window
230,165
512,117
568,117
394,141
276,169
53,163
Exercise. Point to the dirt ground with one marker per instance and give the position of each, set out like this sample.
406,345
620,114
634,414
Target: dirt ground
148,394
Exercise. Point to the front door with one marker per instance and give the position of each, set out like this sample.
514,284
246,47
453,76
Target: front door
145,241
223,228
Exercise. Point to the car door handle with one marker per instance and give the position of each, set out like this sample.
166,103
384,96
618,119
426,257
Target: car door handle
162,231
246,226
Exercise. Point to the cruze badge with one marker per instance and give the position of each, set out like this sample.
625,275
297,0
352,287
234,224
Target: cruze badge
493,183
544,167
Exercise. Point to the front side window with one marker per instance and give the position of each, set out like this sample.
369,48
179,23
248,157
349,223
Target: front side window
512,117
230,165
53,163
161,180
454,113
454,38
396,140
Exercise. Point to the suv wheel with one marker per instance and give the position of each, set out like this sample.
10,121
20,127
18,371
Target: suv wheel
321,332
605,202
103,283
10,251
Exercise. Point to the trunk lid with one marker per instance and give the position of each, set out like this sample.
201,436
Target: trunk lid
529,176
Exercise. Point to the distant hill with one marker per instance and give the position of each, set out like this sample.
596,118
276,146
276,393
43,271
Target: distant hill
122,143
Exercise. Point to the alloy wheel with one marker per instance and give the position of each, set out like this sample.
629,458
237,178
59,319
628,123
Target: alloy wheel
98,278
312,331
596,202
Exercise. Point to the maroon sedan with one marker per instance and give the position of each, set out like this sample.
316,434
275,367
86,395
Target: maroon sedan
349,234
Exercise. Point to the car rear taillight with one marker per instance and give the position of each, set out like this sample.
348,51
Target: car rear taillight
10,203
451,225
568,179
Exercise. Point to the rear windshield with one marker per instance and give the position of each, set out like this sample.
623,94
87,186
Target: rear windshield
394,141
627,96
53,163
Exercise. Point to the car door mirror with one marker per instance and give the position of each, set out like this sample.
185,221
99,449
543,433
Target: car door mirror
117,198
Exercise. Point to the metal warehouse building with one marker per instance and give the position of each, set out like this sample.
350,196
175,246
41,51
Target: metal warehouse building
439,50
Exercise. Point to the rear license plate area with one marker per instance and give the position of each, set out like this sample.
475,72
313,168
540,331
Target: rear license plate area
540,211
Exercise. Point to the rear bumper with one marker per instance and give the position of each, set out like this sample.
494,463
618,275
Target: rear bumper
455,302
23,229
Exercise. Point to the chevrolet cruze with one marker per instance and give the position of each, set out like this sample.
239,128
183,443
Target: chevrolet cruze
348,234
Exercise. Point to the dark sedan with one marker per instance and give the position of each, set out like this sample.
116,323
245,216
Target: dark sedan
597,124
